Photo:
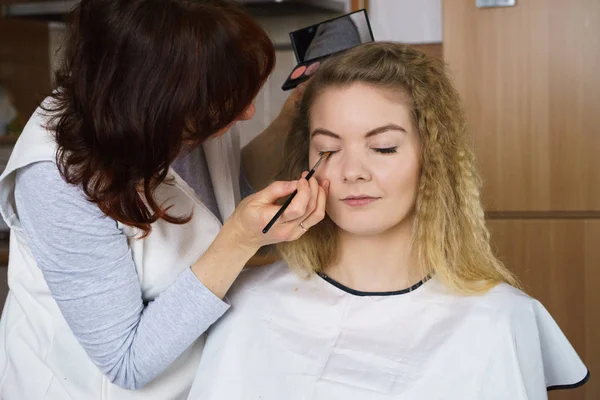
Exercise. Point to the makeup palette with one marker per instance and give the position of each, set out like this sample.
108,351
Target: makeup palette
315,43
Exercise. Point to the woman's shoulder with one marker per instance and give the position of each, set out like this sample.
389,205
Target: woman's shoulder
42,182
506,297
518,312
46,203
534,337
510,307
501,299
520,335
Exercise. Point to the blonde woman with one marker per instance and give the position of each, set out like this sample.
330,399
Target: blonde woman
396,294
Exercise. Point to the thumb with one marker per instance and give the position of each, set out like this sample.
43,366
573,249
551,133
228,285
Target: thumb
276,190
299,92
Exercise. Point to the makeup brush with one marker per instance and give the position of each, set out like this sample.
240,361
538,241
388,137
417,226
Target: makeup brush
289,200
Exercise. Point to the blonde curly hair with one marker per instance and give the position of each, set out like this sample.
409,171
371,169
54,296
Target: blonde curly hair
450,236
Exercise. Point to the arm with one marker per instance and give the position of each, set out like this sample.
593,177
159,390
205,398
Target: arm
88,266
268,145
89,269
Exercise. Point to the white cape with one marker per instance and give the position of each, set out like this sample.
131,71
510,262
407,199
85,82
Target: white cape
286,338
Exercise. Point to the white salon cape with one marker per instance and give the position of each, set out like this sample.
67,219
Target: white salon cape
37,348
286,338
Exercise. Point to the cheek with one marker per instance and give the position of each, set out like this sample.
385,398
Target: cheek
249,113
322,174
398,175
326,169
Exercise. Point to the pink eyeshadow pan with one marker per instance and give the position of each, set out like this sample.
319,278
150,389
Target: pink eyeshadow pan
312,68
298,72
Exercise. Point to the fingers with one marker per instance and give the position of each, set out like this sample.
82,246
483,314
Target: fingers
292,104
276,191
318,213
307,207
255,212
304,201
299,92
312,219
314,189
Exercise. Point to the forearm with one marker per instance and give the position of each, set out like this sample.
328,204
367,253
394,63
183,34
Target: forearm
262,157
223,261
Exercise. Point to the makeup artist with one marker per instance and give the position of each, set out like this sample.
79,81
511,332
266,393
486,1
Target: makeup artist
121,196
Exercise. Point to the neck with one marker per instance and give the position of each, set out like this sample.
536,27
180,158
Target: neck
377,263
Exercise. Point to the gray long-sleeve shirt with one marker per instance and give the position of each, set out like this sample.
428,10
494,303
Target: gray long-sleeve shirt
87,263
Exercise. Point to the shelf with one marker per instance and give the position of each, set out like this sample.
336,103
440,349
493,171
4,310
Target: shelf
3,252
8,140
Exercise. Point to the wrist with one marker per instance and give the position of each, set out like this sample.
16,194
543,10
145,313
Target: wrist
222,262
236,239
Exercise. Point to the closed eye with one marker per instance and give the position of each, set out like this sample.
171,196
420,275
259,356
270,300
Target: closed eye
387,150
321,153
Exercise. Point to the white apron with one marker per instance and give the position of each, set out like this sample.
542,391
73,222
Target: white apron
39,356
286,338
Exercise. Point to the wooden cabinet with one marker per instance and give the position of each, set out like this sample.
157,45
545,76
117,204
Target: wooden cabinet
25,62
559,264
529,78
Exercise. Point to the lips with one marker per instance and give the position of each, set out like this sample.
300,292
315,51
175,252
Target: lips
358,200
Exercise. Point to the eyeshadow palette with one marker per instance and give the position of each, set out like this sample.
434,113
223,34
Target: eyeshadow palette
313,44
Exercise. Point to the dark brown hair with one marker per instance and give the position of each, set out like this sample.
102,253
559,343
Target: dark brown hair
139,79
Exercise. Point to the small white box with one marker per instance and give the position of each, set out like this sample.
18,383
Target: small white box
495,3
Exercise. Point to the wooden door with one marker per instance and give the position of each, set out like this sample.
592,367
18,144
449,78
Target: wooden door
25,62
558,261
528,77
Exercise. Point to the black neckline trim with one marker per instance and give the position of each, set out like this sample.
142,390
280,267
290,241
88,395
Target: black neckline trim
367,294
572,386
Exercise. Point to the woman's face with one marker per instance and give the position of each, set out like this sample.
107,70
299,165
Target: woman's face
375,168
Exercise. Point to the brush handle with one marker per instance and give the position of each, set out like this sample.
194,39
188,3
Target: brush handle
289,200
310,174
281,210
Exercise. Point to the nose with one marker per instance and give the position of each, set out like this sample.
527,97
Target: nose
248,113
354,167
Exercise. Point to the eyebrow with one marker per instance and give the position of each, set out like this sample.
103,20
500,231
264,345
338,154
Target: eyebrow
372,132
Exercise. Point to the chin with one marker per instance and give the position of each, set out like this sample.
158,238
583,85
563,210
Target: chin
364,227
370,224
364,232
